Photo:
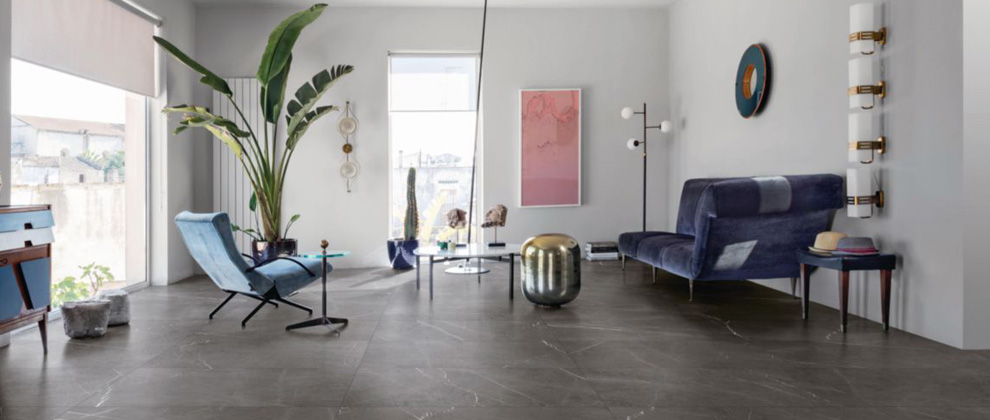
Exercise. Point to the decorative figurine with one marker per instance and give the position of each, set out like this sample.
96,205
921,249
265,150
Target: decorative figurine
495,218
457,219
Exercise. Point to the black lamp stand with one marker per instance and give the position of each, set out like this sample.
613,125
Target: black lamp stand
645,128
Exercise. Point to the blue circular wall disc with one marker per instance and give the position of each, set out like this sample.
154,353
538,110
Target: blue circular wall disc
752,81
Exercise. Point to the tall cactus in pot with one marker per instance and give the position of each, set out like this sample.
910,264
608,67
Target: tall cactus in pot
412,213
400,250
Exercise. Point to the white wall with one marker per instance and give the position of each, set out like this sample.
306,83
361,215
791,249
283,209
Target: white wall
173,179
617,56
803,130
976,67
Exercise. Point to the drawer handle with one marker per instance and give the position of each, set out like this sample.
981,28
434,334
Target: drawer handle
28,226
3,261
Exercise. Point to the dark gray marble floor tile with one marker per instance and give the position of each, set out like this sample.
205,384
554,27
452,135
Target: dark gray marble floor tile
453,330
535,353
474,413
54,387
687,387
208,351
248,387
200,413
433,387
802,413
32,413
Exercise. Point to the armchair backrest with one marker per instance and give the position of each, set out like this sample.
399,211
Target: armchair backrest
750,227
211,243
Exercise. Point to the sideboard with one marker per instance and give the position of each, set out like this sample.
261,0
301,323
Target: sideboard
26,267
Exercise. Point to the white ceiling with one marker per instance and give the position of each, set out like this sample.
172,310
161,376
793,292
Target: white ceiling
449,3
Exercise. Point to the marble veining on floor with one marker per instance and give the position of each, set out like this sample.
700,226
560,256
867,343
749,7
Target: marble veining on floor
625,349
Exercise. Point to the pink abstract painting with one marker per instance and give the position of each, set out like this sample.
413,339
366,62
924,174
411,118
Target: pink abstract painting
550,144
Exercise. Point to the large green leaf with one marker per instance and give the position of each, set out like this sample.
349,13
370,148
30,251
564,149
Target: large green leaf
308,120
198,116
209,78
229,140
273,95
222,128
281,41
300,108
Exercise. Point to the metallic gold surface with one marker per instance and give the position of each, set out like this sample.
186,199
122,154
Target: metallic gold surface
551,269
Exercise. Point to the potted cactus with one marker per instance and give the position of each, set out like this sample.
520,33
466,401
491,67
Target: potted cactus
400,250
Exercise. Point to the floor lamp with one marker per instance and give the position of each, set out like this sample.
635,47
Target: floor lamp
466,267
633,143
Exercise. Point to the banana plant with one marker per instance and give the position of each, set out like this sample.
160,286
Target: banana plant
264,162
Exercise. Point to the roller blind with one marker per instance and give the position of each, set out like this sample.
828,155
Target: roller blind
94,39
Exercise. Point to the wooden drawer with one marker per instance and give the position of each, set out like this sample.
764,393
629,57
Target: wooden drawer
24,220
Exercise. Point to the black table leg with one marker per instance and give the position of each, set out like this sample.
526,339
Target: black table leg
805,287
885,295
512,277
431,277
843,298
324,320
417,271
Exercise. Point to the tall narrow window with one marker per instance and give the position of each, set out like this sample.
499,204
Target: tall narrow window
79,146
432,112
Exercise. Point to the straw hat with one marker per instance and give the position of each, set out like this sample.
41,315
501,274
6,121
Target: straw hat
826,242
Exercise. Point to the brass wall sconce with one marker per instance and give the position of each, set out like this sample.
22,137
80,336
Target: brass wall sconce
862,193
863,33
864,86
862,146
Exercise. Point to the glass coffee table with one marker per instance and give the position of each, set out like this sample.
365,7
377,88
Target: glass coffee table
467,252
323,320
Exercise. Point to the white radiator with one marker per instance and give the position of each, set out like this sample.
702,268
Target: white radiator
231,186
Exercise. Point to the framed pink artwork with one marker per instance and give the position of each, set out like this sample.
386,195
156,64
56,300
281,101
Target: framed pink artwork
550,147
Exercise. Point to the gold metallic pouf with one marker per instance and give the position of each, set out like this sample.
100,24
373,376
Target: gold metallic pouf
551,269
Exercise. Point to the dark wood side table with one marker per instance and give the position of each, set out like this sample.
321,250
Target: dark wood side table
884,263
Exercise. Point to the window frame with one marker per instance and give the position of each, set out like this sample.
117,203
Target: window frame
476,55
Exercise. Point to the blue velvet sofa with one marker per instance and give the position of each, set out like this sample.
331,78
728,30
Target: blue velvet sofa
740,228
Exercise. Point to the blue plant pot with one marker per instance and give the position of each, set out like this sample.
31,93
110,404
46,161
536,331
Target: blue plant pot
400,253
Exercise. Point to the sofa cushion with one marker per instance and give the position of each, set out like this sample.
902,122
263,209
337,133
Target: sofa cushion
629,241
651,250
289,276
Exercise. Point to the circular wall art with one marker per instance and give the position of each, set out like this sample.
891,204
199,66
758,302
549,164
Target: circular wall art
752,81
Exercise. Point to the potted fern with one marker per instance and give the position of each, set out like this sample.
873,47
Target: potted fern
400,250
265,159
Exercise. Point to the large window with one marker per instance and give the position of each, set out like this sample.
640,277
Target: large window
80,146
432,113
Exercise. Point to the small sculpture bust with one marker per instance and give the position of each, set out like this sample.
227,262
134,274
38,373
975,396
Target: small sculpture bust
457,219
496,216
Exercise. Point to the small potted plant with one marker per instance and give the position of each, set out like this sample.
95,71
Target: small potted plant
400,250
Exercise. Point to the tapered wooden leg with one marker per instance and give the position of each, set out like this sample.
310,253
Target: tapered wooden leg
43,329
794,282
885,295
843,299
654,275
805,289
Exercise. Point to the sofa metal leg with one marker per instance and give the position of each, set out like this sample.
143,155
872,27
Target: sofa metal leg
690,290
217,309
794,287
623,262
654,275
256,309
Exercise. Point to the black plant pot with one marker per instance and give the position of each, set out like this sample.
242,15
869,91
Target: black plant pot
264,251
400,253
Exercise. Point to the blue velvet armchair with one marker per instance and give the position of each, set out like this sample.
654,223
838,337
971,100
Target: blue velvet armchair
211,242
740,228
